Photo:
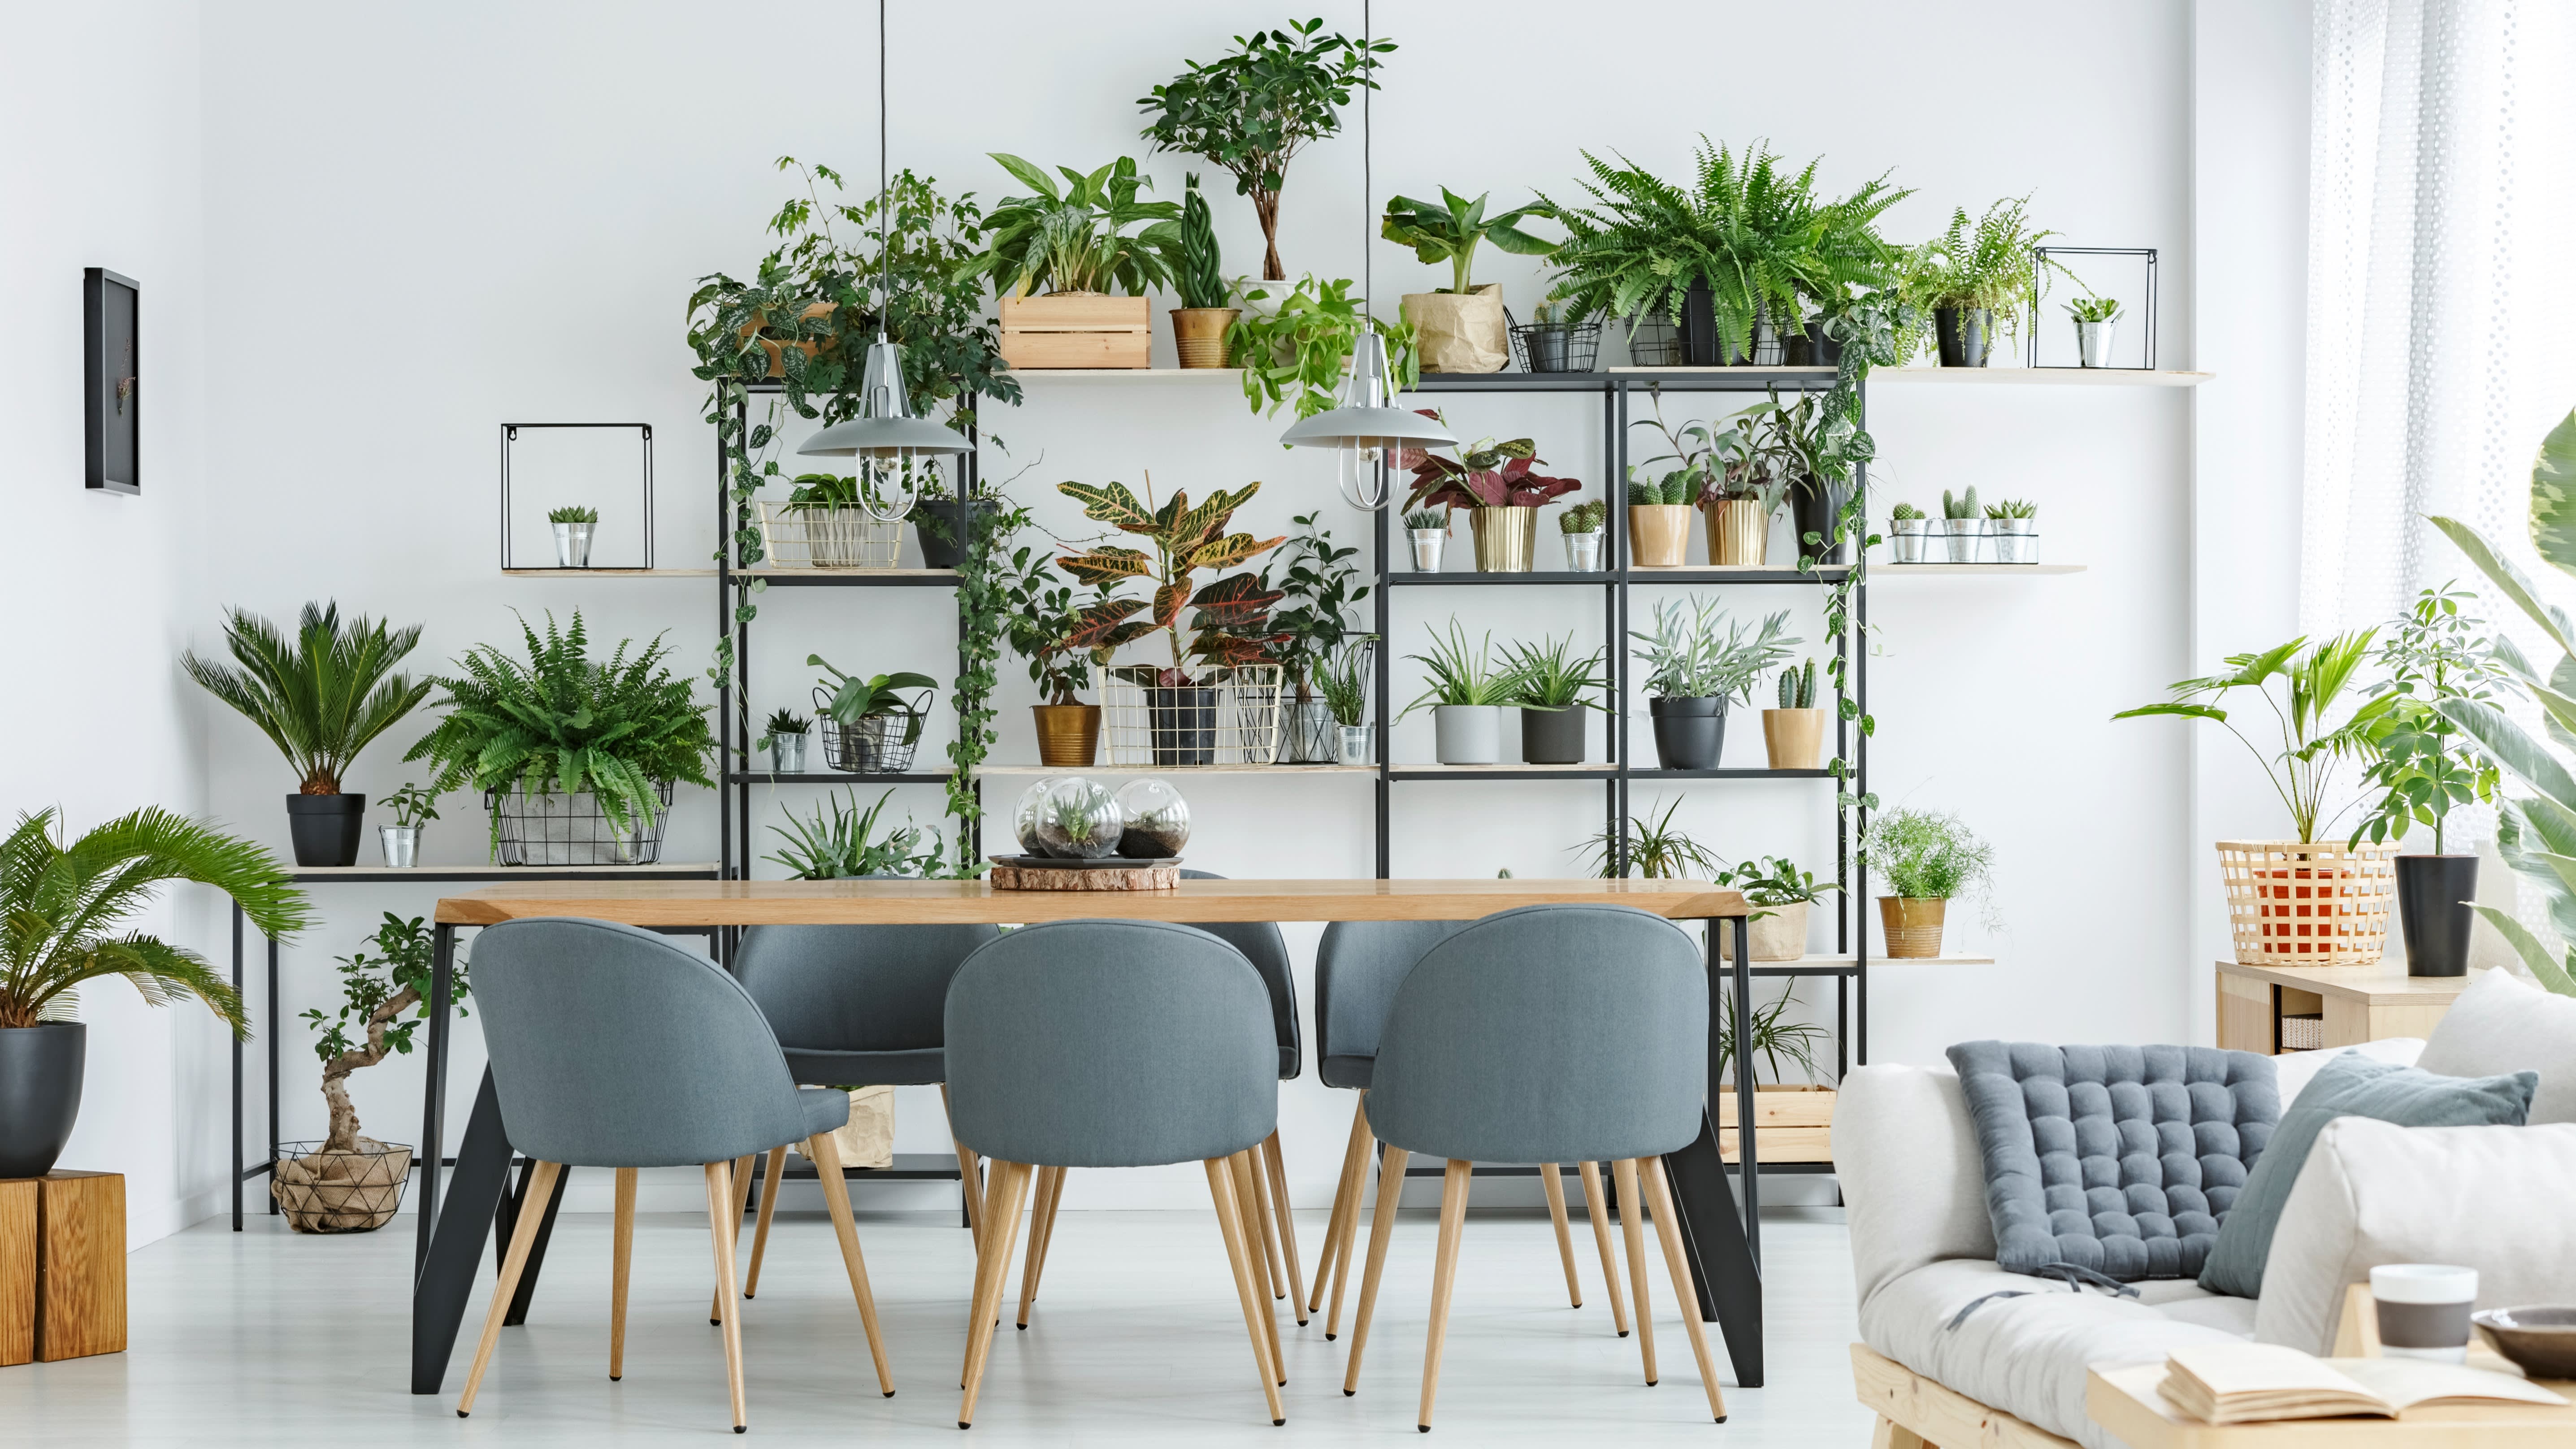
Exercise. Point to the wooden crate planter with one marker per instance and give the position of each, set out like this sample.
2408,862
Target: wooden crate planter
2320,903
1790,1124
1077,329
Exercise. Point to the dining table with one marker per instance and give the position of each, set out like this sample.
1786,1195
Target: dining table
1721,1239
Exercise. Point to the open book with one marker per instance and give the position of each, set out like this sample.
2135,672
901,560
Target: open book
2242,1383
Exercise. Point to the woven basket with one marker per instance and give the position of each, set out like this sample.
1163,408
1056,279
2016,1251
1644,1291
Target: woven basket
340,1192
2314,904
796,536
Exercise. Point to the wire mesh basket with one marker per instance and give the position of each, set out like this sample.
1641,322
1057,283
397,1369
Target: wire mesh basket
1228,717
320,1191
1654,341
545,827
881,744
808,536
1556,346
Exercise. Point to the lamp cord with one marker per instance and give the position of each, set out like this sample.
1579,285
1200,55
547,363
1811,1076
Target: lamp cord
885,253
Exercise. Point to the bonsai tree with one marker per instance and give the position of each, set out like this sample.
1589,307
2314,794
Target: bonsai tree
2312,679
321,697
1317,592
375,993
1232,625
1252,111
1450,231
69,907
1074,238
1486,475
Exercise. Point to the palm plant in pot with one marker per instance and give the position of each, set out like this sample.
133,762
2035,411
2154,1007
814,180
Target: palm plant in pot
1316,594
1043,613
1777,931
1927,859
320,697
1556,688
348,1183
1495,484
1466,694
1459,328
70,909
1691,675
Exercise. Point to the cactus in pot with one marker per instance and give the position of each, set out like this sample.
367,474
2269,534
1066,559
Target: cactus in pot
1793,735
1961,525
1906,530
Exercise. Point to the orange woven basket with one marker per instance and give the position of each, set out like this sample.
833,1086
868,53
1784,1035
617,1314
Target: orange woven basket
2319,903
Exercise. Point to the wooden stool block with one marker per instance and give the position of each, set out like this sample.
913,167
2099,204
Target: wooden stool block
17,1271
80,1289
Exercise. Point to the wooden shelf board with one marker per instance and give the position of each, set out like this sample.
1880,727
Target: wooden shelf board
1287,770
2381,983
1594,767
1982,570
1880,959
324,873
2051,376
1232,375
608,573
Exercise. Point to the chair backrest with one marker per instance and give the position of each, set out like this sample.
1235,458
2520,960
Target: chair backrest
855,988
1263,946
1357,969
1563,1033
612,1047
1110,1044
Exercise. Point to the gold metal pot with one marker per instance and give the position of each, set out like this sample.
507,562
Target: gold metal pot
1739,532
1505,538
1068,734
1198,333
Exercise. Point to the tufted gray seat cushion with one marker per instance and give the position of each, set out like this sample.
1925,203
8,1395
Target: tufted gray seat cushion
2118,1160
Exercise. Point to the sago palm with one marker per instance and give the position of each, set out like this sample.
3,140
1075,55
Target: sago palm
64,909
322,697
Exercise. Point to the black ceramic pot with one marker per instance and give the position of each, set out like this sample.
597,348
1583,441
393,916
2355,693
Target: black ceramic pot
1700,345
2433,892
1182,722
1552,736
941,527
1963,334
40,1092
1812,348
1689,733
1814,505
326,828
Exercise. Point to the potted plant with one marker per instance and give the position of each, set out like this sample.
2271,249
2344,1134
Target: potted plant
2012,531
1315,596
1073,240
1691,675
412,807
1555,340
320,698
1494,483
784,738
1342,678
347,1183
1907,529
2301,902
1229,634
1715,466
826,524
573,528
576,759
1794,734
72,913
1927,859
1739,508
1582,526
1043,615
1207,307
1961,526
1778,930
1659,512
1655,849
1253,110
1979,276
941,520
2423,762
1555,689
1466,696
1817,447
1793,1121
875,728
1460,326
2096,318
1297,341
845,846
1426,530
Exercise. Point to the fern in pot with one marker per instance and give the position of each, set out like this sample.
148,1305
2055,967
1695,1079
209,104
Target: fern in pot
1692,673
1927,858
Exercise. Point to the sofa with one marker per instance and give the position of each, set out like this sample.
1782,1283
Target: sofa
2011,1370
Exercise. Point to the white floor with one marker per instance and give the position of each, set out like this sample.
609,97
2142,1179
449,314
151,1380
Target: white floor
266,1338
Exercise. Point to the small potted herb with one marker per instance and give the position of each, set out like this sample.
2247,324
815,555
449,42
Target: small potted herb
1778,930
785,740
1961,525
1460,327
1907,528
1427,530
573,528
1207,307
1342,678
1493,481
876,728
1927,859
1466,696
347,1183
1043,615
1583,527
2012,531
2096,318
412,807
1691,675
1794,733
1555,689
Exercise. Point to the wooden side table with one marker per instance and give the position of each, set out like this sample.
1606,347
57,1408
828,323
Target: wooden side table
62,1266
2357,1003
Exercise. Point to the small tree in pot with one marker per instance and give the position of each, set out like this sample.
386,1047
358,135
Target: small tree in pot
350,1183
1928,859
1691,675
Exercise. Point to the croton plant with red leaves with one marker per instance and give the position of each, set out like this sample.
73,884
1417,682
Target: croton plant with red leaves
1487,475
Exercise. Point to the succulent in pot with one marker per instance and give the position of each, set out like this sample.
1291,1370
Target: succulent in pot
1207,309
2096,318
1494,482
1907,529
1926,859
573,528
1584,527
412,808
784,737
1555,688
1794,733
2012,531
1692,674
1426,530
1466,694
1659,514
1781,894
347,1182
1080,820
1460,328
1961,525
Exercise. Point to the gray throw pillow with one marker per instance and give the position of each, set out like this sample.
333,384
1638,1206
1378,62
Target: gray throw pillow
2349,1086
2119,1161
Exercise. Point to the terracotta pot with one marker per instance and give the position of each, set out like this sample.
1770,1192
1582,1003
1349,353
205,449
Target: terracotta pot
1658,535
1505,538
777,364
1795,738
1739,532
1778,935
1068,734
1911,926
1198,334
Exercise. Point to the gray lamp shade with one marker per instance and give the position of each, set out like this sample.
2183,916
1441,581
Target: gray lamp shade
885,425
1365,420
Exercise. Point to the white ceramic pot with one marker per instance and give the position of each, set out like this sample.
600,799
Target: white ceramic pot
1468,734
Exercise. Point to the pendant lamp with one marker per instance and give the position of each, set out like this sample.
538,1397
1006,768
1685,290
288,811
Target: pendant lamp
1367,426
891,444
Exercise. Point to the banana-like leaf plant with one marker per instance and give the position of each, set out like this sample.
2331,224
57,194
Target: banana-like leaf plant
1232,626
1450,231
2314,680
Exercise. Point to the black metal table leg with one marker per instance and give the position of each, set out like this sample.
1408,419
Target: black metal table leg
442,999
237,1077
272,1033
1724,1255
455,1246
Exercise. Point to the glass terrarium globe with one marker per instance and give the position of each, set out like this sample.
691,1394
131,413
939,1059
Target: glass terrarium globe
1024,819
1158,820
1079,820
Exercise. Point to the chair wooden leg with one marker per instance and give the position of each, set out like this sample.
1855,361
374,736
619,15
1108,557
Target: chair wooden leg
1271,1157
1596,1206
768,1205
724,1222
1444,1275
1632,1227
1342,1261
741,1171
1390,1190
622,1256
1050,1183
522,1238
1278,1267
966,1179
1247,1203
1010,1182
1229,1222
1660,1197
825,1150
1551,1179
1346,1202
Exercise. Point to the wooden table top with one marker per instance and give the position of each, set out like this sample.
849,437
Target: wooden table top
930,902
2381,983
2127,1402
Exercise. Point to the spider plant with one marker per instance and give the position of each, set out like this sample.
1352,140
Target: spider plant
1551,678
1657,850
1774,1037
845,845
1462,674
320,698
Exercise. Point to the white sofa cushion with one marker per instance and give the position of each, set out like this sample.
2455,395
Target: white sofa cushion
2505,1024
1913,1183
2294,1070
2490,1198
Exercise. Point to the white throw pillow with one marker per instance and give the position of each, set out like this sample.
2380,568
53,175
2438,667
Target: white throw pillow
2505,1024
2294,1070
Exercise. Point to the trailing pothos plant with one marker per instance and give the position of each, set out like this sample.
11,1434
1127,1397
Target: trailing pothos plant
1298,341
988,611
1232,626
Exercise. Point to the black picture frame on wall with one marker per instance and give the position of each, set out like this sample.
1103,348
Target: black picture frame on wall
111,309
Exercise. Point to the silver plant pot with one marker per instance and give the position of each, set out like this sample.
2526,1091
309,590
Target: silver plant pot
1960,535
787,754
1429,544
1583,552
1355,745
1308,737
1905,539
2012,540
402,845
572,545
2093,342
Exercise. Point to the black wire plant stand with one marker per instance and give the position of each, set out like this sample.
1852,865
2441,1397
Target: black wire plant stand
549,827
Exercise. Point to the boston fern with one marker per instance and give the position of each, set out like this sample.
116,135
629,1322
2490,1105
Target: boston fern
560,723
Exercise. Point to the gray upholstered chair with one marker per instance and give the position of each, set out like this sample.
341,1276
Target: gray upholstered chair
853,1006
611,1047
1614,1002
1358,967
1112,1044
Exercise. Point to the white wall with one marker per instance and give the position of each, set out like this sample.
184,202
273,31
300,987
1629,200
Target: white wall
422,223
